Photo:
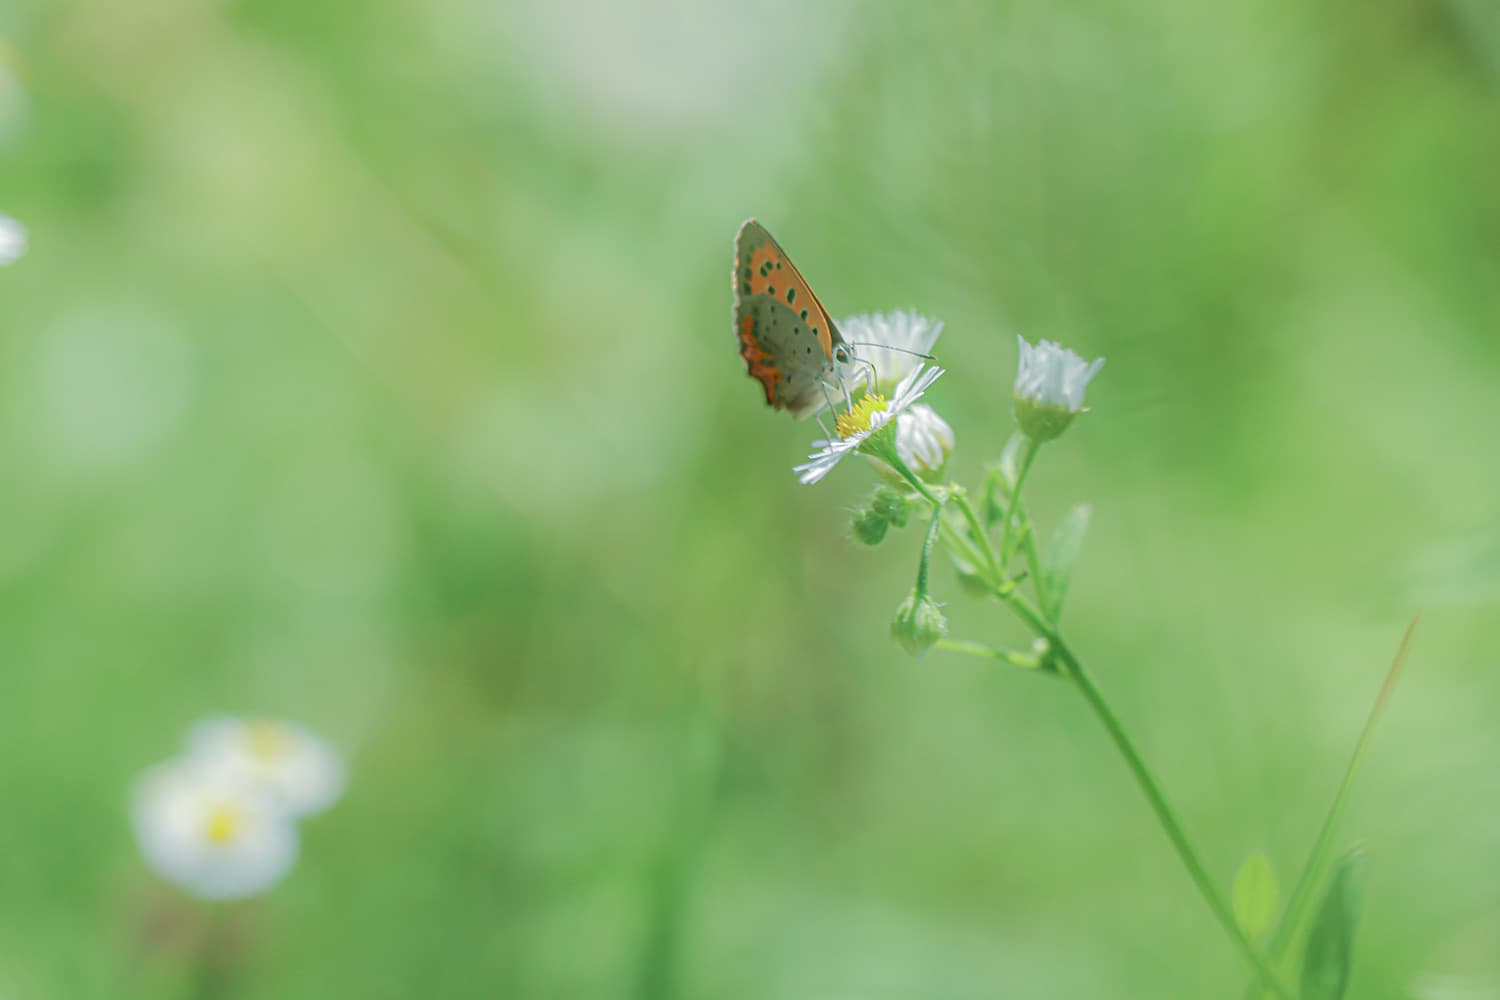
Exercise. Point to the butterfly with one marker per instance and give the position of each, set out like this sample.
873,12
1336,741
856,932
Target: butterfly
789,342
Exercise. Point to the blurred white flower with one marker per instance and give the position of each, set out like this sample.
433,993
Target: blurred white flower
210,832
12,240
897,338
1050,382
865,418
285,759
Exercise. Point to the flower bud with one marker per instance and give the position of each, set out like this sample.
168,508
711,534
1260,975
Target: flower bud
893,506
924,441
1050,382
918,624
870,526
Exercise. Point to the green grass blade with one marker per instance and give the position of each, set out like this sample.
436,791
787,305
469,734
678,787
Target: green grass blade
1330,943
1317,860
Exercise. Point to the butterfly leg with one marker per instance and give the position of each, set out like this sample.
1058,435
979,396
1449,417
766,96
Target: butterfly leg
827,399
844,388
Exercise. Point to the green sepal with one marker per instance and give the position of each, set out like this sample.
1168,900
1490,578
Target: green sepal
1330,944
1042,423
1255,894
882,444
1062,554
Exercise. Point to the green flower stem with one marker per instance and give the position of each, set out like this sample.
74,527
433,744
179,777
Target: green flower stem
1032,447
981,537
894,461
1028,547
216,961
1026,611
963,548
920,590
1024,660
1158,802
993,483
1137,765
1034,619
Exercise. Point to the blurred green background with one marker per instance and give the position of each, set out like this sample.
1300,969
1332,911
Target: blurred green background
372,367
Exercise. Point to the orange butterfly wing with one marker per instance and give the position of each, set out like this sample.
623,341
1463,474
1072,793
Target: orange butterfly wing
786,336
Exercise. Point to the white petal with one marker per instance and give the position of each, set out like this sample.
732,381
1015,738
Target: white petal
913,386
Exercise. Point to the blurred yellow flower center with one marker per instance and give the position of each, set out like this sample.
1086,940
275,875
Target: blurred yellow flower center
857,420
223,824
267,740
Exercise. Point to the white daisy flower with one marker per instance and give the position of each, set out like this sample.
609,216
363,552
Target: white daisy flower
286,760
862,421
12,240
210,832
884,340
1050,382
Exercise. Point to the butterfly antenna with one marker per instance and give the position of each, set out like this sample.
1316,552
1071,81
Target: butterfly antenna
888,347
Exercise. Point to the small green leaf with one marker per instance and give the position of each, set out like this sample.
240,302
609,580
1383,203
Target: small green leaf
1330,943
1255,893
1062,553
993,508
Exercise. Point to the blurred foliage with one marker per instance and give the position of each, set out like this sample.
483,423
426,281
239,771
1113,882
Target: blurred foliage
371,367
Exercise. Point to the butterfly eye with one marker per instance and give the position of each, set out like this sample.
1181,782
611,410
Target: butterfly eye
841,355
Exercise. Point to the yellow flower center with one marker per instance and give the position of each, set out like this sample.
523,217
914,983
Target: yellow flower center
857,420
223,824
267,740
